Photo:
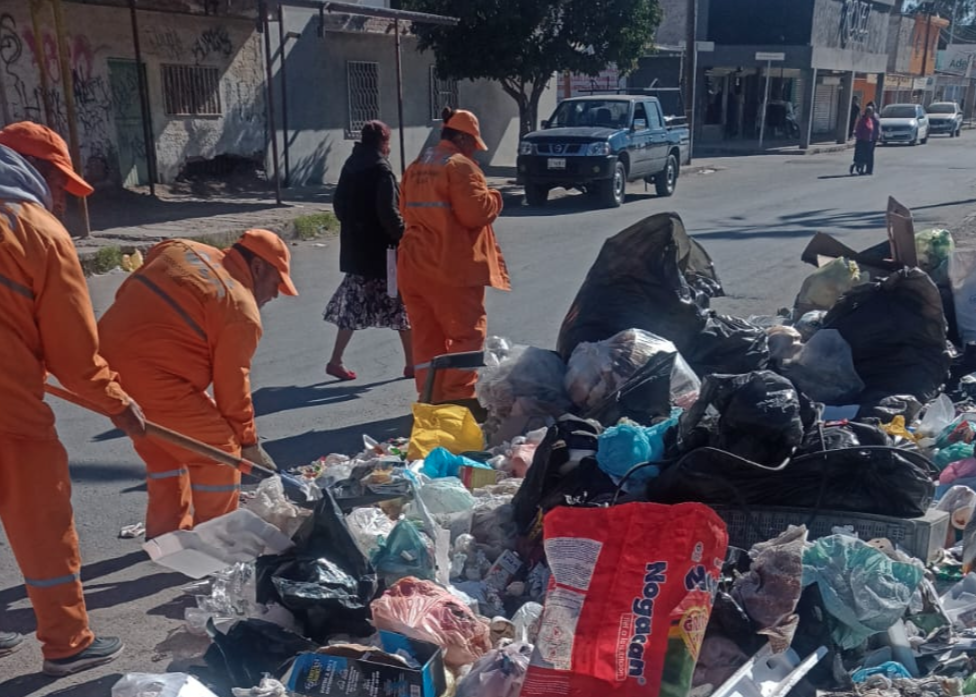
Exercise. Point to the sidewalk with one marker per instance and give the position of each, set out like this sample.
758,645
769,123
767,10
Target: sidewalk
739,148
218,212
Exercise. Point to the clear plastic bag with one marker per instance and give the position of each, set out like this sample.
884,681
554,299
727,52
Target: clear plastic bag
528,620
406,552
272,506
824,369
522,371
824,287
598,370
159,685
369,527
933,249
500,673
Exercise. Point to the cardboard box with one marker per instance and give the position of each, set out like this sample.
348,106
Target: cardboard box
371,674
477,477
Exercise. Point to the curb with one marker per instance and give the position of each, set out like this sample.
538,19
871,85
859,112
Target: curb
89,256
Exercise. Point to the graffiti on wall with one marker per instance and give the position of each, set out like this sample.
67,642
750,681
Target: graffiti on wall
212,42
165,43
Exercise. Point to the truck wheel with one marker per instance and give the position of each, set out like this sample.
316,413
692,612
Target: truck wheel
613,190
536,195
666,180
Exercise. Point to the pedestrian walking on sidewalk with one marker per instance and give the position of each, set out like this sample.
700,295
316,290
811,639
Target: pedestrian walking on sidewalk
866,135
47,325
449,253
187,319
367,202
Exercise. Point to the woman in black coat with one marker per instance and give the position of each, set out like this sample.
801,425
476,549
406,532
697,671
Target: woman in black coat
367,202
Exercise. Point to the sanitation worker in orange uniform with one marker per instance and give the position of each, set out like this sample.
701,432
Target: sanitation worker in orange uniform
448,254
46,325
187,320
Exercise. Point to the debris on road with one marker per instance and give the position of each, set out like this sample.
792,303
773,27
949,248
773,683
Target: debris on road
675,503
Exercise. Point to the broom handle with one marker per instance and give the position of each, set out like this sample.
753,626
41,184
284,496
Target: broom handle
171,436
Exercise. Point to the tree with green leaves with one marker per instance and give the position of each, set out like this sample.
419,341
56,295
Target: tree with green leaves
523,43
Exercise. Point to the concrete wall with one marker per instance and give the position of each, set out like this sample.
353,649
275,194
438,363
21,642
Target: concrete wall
318,109
673,27
98,35
836,48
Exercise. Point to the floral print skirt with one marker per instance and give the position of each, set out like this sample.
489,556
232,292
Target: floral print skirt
362,303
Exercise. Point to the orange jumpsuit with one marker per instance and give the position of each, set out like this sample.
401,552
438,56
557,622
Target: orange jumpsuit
46,324
186,320
447,257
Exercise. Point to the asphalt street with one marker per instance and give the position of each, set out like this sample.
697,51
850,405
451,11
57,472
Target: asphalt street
754,215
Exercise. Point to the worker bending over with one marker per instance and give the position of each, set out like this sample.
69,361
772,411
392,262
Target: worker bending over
47,325
188,319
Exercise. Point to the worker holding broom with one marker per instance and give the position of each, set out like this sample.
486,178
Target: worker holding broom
47,325
188,319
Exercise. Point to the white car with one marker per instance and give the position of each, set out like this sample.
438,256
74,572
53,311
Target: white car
904,123
945,117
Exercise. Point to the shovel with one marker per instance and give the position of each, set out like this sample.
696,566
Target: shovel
154,430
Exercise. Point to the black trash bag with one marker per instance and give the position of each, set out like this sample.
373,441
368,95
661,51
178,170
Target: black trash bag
885,410
326,581
651,276
760,417
865,479
848,435
728,346
251,648
548,484
897,332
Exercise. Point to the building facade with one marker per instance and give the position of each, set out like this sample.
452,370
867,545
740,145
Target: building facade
204,76
822,47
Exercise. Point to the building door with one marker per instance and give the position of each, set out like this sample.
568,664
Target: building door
126,111
826,101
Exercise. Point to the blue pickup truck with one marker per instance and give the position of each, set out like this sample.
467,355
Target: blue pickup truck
597,144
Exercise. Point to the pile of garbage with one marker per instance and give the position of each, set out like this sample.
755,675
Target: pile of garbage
673,502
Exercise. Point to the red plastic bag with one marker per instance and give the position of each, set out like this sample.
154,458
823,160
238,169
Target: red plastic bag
630,596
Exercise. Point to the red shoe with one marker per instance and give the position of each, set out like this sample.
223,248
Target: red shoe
339,373
408,372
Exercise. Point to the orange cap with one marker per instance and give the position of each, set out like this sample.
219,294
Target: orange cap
466,122
271,248
34,140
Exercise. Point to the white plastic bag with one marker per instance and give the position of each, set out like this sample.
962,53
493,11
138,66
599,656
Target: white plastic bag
962,277
938,415
159,685
369,527
272,506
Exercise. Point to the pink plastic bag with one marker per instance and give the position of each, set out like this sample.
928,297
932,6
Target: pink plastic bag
425,611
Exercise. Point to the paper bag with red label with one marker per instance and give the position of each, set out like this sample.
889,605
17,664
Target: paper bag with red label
631,593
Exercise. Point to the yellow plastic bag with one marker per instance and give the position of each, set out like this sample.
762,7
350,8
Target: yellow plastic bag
898,428
445,426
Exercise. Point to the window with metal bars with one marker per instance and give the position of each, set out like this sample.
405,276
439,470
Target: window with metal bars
363,94
191,90
443,93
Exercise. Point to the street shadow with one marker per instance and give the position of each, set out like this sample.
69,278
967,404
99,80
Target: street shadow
105,595
174,609
89,472
28,685
801,225
311,445
837,176
272,400
111,434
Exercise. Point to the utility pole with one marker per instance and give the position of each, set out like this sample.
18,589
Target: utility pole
691,70
928,29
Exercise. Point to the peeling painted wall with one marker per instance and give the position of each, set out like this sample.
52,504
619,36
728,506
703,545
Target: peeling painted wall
106,96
